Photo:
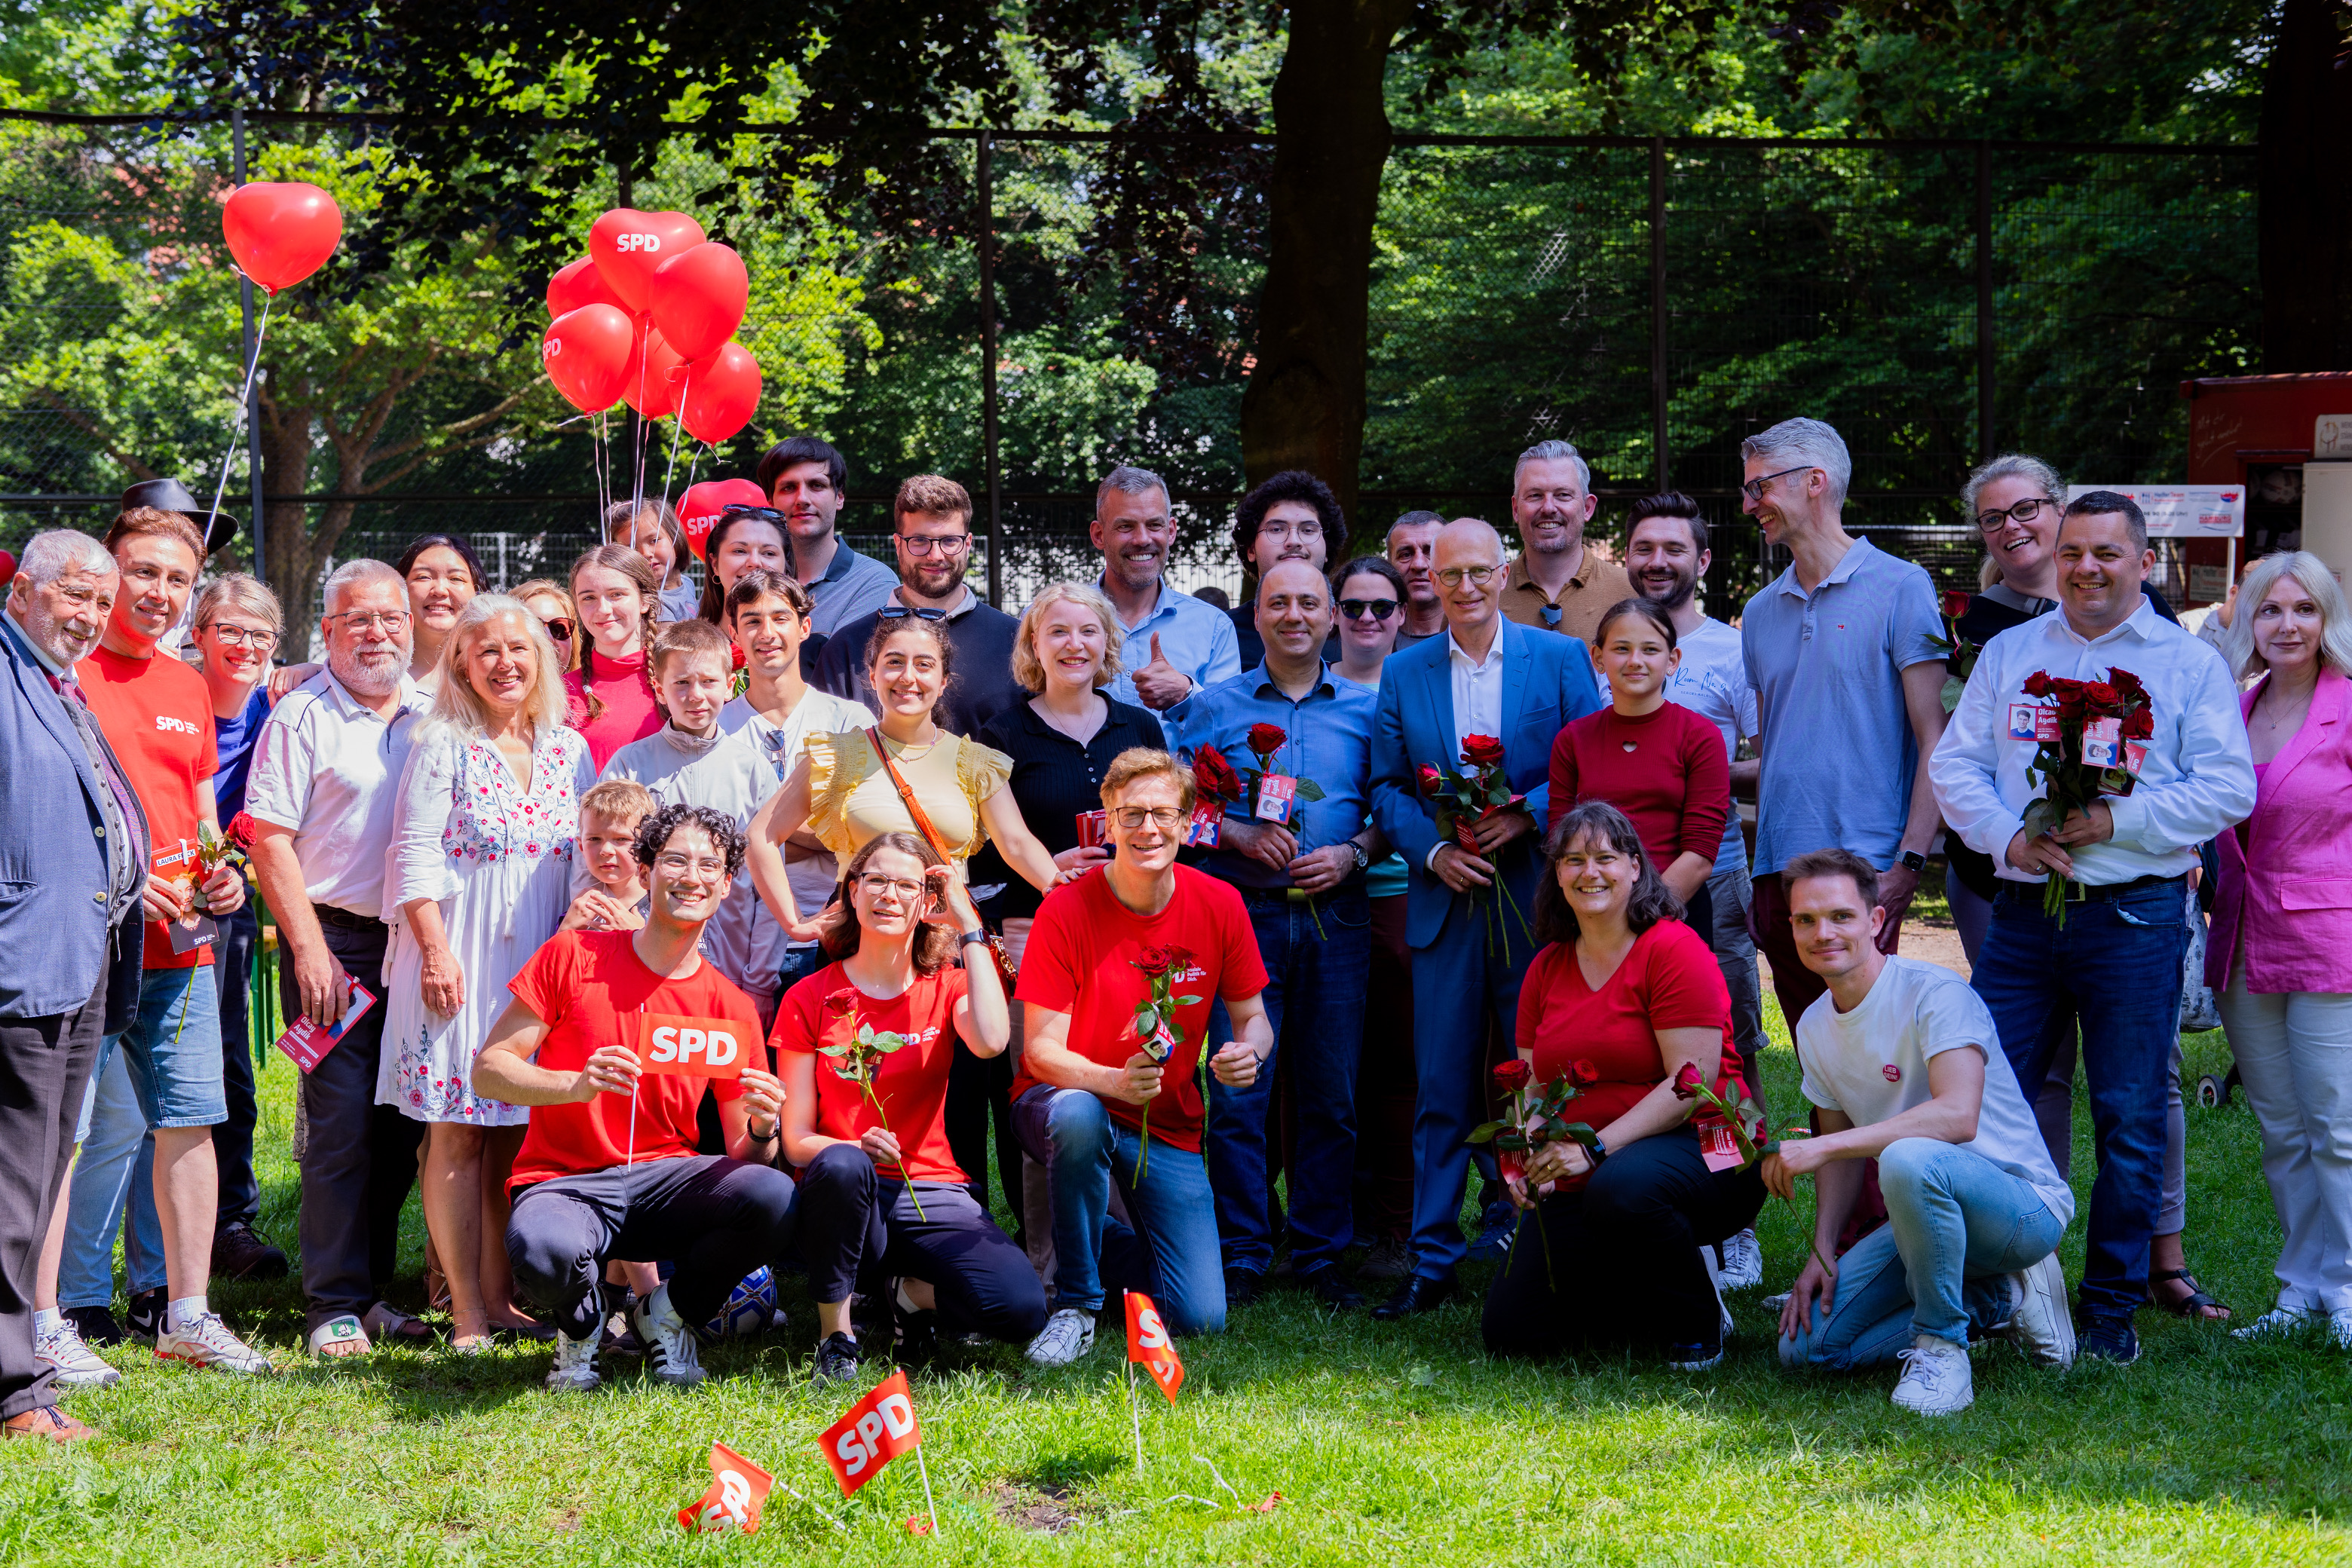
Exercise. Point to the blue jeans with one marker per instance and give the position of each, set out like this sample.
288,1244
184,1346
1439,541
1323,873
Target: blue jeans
2115,967
1469,974
1069,1132
1317,964
1956,1224
117,1167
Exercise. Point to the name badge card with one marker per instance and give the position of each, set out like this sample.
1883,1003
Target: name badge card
196,929
306,1045
1207,824
2021,720
1275,793
2046,724
670,1046
2102,742
2135,757
1717,1147
1093,829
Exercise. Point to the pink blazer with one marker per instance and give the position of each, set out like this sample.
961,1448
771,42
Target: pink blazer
2288,888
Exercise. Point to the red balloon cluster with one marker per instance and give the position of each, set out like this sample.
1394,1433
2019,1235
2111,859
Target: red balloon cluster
280,233
648,317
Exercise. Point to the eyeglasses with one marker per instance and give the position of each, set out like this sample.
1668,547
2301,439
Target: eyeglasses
922,543
384,620
1164,818
1282,527
876,884
1368,609
259,641
678,864
1477,576
2025,511
558,627
1754,489
900,612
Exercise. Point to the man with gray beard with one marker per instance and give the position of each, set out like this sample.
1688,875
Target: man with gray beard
326,773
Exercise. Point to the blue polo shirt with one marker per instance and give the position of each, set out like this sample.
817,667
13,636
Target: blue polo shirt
1838,752
853,586
1328,740
1196,638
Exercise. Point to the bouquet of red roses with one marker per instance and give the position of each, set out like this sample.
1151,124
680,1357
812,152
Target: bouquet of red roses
1531,1118
1462,800
2091,740
1216,786
1155,1028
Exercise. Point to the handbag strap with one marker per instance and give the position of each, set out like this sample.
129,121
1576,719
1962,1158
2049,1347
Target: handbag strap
914,808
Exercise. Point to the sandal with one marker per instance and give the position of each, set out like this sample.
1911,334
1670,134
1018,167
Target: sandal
387,1322
344,1331
2197,1304
468,1341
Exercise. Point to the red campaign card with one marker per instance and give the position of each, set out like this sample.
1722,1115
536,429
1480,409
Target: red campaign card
1208,819
2046,724
1093,829
1717,1147
306,1045
1275,793
2102,740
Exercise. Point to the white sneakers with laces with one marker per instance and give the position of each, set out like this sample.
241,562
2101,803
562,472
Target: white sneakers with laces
2284,1320
574,1370
1067,1335
205,1341
1743,1261
1935,1380
2039,1321
670,1353
77,1365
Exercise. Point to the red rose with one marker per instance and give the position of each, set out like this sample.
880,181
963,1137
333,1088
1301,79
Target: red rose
842,1003
1266,739
1213,777
1153,960
1482,751
2099,694
2038,684
1954,602
1583,1074
242,831
1686,1083
1432,781
2139,723
1512,1076
736,661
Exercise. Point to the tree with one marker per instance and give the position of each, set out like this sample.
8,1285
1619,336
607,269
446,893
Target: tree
2306,189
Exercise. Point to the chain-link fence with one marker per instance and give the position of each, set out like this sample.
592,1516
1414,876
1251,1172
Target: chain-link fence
1653,301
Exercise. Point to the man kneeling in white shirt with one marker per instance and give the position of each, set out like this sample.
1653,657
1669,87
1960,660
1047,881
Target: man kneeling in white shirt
1901,1059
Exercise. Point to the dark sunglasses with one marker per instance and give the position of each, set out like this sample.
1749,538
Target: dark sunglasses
1361,609
559,628
900,612
764,513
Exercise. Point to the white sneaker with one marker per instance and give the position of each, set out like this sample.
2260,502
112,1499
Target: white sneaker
670,1353
1067,1335
77,1365
2039,1323
207,1342
1743,1261
574,1370
1936,1379
2272,1324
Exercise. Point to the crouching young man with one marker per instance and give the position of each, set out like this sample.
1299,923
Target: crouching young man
1901,1059
1093,1102
609,1169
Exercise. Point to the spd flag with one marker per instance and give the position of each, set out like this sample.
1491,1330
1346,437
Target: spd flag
669,1045
1148,1345
875,1430
737,1490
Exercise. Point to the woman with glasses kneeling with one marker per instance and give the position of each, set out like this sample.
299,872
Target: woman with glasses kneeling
1622,1001
883,1195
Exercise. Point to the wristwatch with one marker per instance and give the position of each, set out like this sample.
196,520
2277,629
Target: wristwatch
966,938
1363,856
1915,862
1599,1151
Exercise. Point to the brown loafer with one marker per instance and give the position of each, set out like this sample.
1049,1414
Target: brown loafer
47,1421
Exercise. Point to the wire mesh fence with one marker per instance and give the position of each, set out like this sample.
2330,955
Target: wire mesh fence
1652,300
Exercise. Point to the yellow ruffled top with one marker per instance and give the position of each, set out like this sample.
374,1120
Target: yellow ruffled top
852,799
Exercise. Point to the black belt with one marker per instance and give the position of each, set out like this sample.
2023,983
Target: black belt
329,915
2105,893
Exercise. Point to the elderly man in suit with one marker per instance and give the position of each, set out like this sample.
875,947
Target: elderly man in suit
1486,676
72,874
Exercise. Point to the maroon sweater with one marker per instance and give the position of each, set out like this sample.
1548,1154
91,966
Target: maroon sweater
1666,771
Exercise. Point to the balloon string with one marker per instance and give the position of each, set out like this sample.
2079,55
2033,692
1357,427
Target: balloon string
244,412
601,459
671,472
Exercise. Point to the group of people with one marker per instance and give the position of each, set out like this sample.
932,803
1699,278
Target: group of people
663,933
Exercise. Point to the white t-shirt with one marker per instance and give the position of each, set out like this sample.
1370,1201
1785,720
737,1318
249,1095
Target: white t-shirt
1712,683
1872,1065
327,766
814,874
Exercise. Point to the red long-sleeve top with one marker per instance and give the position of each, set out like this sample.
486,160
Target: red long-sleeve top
1666,770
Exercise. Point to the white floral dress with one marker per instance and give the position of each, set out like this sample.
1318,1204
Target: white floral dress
496,857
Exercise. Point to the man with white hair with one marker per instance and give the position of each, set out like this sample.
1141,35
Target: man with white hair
70,936
1175,644
325,779
1558,584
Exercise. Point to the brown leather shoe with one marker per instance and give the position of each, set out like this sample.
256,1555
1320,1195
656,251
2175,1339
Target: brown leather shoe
47,1421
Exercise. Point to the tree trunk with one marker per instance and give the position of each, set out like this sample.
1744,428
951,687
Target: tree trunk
2305,224
1304,406
293,564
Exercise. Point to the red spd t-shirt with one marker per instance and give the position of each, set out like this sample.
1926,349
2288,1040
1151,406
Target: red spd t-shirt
158,717
582,982
1080,960
911,1082
1669,981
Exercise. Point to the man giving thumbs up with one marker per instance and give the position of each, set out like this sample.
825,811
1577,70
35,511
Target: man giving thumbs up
1174,644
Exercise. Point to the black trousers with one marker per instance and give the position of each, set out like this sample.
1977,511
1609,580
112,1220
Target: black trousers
45,1065
858,1228
979,1093
240,1192
719,1218
1624,1264
360,1158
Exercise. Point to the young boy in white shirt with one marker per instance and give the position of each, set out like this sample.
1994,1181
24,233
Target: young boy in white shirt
609,814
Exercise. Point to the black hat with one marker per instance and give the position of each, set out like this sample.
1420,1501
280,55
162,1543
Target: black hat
171,495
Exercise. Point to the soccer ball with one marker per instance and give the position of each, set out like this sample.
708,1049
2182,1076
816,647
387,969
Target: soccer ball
747,1309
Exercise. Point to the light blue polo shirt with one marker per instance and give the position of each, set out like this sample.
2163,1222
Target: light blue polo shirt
1196,638
1839,755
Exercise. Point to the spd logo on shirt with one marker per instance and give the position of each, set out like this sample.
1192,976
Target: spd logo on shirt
172,726
669,1045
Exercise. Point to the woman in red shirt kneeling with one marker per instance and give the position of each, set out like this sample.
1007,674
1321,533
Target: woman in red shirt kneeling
1623,998
882,1195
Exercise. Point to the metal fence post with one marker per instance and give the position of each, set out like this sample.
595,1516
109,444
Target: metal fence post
987,227
1984,302
252,424
1658,304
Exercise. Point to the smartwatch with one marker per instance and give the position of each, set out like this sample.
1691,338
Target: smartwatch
1914,861
966,938
1599,1151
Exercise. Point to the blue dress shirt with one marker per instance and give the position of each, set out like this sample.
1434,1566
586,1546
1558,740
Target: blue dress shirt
1330,741
1196,638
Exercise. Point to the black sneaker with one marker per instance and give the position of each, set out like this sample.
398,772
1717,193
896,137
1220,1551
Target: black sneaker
145,1320
919,1337
2108,1337
97,1325
1242,1287
1331,1287
836,1360
240,1254
1496,1228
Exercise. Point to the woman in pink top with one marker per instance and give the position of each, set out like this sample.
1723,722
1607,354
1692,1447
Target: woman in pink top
609,698
2281,952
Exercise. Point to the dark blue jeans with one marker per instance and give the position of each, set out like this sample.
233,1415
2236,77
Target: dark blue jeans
2115,967
240,1193
1318,964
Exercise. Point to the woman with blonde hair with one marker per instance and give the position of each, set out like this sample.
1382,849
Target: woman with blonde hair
552,603
609,697
478,877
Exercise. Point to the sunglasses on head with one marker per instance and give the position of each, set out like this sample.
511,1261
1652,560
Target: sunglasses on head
559,628
900,612
1375,609
764,513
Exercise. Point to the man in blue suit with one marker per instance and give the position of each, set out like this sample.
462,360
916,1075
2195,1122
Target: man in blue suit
1485,676
73,862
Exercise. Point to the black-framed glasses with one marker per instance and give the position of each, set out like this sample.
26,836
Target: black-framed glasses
2025,511
258,639
1754,489
900,612
1368,609
558,627
1132,817
947,544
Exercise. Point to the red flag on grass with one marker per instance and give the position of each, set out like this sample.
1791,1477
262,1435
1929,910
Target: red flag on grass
737,1490
875,1430
1148,1345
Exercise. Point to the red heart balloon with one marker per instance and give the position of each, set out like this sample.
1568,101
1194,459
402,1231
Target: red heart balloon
8,561
721,392
587,353
580,284
280,234
627,245
654,379
698,296
700,506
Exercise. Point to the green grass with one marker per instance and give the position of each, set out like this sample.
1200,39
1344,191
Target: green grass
1389,1445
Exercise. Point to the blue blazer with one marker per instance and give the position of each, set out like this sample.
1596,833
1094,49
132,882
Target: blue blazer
55,874
1547,681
